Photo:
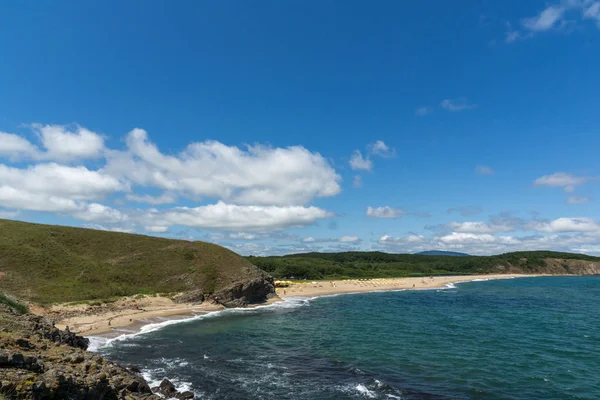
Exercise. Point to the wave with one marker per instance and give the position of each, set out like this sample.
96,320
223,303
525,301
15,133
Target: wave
362,389
98,342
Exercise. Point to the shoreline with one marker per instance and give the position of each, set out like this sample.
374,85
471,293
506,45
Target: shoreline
130,314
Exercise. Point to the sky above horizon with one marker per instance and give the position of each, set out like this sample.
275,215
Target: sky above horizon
275,127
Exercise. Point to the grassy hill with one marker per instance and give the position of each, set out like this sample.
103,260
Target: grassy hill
48,264
384,265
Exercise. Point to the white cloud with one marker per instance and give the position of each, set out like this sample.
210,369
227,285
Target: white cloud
476,238
567,182
243,236
384,212
308,240
480,227
545,20
258,175
423,111
561,225
95,212
156,228
349,239
358,163
108,228
235,217
164,198
484,170
357,181
379,148
457,104
76,183
24,200
64,144
577,200
556,17
14,146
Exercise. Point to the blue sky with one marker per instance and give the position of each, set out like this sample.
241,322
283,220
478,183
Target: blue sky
277,127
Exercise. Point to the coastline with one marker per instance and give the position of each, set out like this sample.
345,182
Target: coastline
130,314
324,288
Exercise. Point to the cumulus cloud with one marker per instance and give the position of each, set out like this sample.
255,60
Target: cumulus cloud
567,182
15,147
480,227
566,225
357,181
484,170
256,187
485,243
359,163
95,212
236,217
76,183
577,200
257,175
63,144
384,212
457,104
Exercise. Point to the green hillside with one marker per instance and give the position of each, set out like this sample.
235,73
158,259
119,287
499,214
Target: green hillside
384,265
47,264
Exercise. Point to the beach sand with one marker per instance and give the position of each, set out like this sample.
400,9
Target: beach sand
133,312
322,288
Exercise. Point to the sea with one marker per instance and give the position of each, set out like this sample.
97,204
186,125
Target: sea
525,338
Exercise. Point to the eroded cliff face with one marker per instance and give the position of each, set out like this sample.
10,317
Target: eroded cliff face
39,361
554,266
257,289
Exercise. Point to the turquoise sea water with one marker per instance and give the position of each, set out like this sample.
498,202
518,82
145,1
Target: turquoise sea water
529,338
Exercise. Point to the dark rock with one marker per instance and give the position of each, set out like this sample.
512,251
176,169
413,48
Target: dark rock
23,343
240,294
166,388
185,395
193,296
134,368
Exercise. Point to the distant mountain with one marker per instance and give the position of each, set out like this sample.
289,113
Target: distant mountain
442,253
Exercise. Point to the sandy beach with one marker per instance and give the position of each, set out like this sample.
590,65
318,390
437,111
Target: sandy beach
134,312
321,288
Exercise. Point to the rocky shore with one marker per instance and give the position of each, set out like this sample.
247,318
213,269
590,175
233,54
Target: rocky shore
39,361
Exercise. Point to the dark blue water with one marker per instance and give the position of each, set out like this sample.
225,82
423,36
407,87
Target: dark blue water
531,338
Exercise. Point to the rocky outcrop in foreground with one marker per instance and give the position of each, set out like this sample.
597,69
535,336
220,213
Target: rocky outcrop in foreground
39,361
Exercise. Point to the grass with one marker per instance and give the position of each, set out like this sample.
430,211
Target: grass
18,307
383,265
48,264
